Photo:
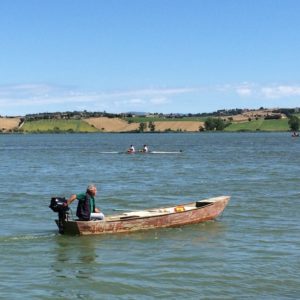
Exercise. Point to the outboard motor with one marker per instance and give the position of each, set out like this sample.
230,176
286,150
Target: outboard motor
58,205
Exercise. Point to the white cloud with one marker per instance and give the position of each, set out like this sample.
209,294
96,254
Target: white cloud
252,90
135,101
280,91
31,98
244,90
148,92
41,97
224,88
159,100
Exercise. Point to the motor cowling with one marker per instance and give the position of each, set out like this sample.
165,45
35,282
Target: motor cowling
59,205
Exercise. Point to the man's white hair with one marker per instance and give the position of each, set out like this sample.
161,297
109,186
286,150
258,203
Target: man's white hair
91,187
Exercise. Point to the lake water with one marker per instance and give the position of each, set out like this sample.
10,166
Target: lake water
251,252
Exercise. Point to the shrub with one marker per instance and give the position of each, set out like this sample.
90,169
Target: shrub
215,124
294,123
151,126
142,127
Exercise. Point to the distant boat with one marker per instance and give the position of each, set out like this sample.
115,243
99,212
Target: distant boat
141,152
171,216
295,134
155,152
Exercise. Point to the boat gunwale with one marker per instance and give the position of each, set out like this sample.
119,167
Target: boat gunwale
211,201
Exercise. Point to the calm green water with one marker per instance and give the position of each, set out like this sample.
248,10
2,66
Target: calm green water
251,252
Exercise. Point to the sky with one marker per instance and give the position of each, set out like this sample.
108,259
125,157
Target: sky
156,56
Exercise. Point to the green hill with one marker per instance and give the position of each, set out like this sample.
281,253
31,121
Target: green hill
260,124
58,126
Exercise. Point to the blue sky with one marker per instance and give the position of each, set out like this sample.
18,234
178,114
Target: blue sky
169,56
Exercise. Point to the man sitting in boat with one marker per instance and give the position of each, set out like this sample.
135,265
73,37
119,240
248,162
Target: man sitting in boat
131,149
86,209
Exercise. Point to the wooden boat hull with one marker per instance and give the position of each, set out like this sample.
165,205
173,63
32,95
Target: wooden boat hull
174,216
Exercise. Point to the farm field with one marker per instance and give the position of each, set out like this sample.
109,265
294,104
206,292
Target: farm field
8,124
58,126
260,124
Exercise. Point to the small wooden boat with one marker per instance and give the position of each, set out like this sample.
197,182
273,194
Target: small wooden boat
189,213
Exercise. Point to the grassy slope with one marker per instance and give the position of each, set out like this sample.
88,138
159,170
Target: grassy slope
157,119
62,125
261,124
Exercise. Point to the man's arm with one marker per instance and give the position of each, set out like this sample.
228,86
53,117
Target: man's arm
71,199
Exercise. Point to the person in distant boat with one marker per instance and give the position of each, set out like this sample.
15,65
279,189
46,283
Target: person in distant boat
86,209
131,149
145,148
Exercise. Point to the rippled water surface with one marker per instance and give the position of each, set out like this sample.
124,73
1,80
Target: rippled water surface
252,251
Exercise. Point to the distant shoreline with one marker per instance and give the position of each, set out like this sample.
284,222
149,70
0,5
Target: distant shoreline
118,125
